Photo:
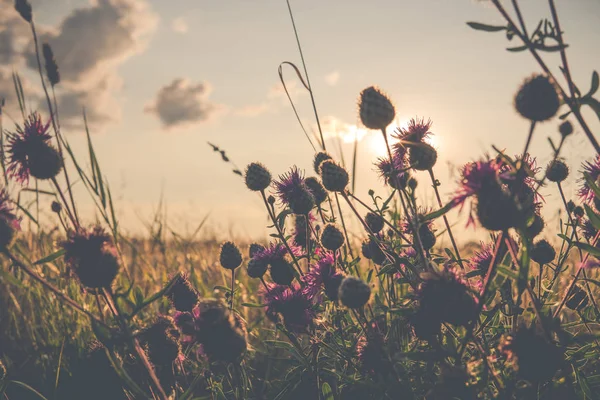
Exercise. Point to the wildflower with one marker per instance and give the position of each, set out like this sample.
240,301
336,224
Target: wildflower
557,171
578,212
536,227
371,354
161,341
221,333
319,158
446,297
592,168
354,292
256,268
332,238
275,255
299,234
425,229
378,256
536,359
257,177
293,192
577,299
565,129
335,177
92,257
323,275
422,157
317,189
182,295
30,151
51,67
56,207
537,99
375,108
543,252
291,303
482,259
416,131
374,222
255,248
394,172
9,223
588,229
230,257
282,271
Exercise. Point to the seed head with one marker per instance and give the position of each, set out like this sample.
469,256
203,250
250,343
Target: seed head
422,157
24,9
316,188
257,268
230,257
557,171
497,210
182,295
577,299
282,272
293,192
332,237
319,158
565,129
353,292
543,252
375,109
51,66
163,348
335,177
427,237
537,99
56,207
257,177
374,222
255,248
365,249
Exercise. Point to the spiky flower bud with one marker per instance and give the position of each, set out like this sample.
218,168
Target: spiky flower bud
56,207
271,199
257,268
332,286
257,177
282,272
577,299
496,209
302,201
332,237
317,189
24,9
230,257
255,248
335,177
578,212
557,171
412,183
375,108
45,161
353,292
51,66
565,129
427,237
319,158
163,348
377,255
422,157
365,249
537,99
543,252
182,295
374,222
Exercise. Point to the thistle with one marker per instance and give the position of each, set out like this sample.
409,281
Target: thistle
557,171
161,341
182,295
375,222
293,192
353,292
543,252
332,237
230,256
319,158
316,188
257,177
290,303
335,178
537,99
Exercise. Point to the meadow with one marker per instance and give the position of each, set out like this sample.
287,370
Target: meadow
317,311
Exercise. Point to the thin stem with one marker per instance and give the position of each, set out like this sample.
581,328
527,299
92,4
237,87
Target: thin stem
337,200
391,226
529,137
232,288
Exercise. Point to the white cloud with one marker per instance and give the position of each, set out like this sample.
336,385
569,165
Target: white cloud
335,128
179,25
182,102
332,78
254,110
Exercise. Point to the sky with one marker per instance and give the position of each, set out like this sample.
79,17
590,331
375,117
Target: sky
159,80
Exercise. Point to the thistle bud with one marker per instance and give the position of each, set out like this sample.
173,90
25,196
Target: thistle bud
335,178
182,295
24,9
565,129
51,67
365,249
230,257
543,252
427,237
353,292
317,189
255,248
282,272
422,157
374,222
557,171
578,212
375,109
537,99
257,268
536,227
302,201
332,238
45,161
412,183
257,177
56,207
271,200
319,158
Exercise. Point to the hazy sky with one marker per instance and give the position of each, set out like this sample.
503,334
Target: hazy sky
160,79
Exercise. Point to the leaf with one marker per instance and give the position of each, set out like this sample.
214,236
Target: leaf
51,257
592,216
29,388
588,248
591,183
595,83
593,103
486,28
517,49
507,272
253,305
437,213
327,392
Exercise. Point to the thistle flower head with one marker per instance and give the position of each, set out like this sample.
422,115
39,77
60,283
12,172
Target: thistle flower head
293,192
565,128
292,304
91,255
482,258
276,251
323,275
537,99
393,172
588,229
586,193
255,248
182,295
317,189
416,131
335,178
543,252
353,292
162,342
375,108
474,178
422,157
230,256
30,152
374,221
318,160
282,271
257,177
332,237
557,171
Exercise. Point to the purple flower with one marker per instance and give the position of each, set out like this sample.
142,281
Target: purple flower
25,143
593,169
288,184
482,259
276,251
291,303
588,230
416,131
523,183
322,275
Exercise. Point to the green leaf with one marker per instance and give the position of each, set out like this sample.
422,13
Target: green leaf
486,28
253,305
592,216
437,213
28,388
507,272
327,392
593,103
595,83
517,49
593,251
51,257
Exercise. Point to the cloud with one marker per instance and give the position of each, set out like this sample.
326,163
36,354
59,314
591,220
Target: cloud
182,102
254,110
179,25
294,89
332,78
335,128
